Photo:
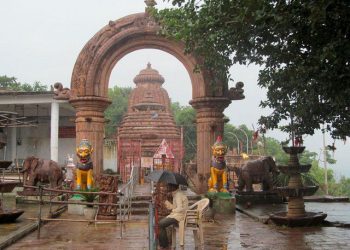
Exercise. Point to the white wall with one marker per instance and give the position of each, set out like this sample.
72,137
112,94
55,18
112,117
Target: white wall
36,141
110,155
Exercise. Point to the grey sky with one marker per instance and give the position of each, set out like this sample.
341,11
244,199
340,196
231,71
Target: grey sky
41,39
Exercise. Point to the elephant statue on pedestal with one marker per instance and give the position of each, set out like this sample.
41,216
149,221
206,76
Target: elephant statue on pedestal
39,170
255,172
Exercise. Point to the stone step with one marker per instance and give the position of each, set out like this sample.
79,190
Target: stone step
140,203
149,198
145,204
139,210
142,198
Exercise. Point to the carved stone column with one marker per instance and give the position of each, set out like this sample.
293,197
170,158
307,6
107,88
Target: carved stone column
90,123
210,124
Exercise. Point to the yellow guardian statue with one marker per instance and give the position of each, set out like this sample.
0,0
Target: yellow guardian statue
218,171
84,165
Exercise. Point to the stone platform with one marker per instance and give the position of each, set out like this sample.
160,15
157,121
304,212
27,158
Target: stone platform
258,197
338,214
223,203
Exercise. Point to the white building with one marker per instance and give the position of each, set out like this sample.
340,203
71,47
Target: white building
47,131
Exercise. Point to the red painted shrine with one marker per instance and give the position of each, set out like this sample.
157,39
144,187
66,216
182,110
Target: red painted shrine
146,123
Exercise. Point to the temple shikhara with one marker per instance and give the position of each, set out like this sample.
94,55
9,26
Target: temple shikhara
147,122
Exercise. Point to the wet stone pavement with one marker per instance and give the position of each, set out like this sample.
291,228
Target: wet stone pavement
237,231
227,232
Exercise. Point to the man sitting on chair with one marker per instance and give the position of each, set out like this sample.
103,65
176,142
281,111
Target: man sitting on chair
178,210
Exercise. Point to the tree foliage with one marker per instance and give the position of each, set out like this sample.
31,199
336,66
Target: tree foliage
185,116
303,47
114,113
11,83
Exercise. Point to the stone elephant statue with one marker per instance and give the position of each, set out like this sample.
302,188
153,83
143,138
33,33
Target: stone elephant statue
255,172
39,170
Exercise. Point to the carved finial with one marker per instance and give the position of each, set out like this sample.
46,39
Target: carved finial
61,93
148,65
150,3
237,92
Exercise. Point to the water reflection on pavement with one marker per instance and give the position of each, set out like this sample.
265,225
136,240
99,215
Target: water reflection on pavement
226,232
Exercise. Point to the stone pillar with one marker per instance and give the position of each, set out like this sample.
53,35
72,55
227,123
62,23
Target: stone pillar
55,110
210,124
90,123
13,139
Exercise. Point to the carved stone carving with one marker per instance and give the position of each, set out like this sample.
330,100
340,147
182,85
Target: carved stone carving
60,92
237,92
93,68
109,184
150,3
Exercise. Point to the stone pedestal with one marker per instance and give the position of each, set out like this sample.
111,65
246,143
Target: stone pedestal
222,203
261,197
89,212
77,209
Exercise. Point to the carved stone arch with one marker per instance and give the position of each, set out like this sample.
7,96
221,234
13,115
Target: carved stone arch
138,31
93,68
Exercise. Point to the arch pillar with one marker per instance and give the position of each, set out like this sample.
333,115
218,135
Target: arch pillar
90,123
210,124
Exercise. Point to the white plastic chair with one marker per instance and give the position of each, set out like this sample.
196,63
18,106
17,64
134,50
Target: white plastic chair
193,220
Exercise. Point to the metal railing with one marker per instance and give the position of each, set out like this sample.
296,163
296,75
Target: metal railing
151,227
124,198
55,193
126,193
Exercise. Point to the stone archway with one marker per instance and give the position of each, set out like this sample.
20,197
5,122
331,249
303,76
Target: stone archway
91,76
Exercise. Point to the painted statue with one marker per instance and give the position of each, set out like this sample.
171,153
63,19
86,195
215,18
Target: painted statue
218,171
84,168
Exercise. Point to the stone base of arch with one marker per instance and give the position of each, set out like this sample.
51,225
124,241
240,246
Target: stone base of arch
210,124
90,124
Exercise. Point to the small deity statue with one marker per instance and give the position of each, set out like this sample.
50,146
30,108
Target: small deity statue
84,165
218,170
70,171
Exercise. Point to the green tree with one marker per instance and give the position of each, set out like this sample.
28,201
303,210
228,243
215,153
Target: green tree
11,83
185,116
303,47
114,113
340,188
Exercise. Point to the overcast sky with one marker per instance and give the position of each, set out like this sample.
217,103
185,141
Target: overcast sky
40,41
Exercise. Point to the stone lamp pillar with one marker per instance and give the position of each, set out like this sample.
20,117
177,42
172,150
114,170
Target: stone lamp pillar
296,214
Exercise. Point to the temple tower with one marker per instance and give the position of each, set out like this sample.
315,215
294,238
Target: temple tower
146,123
